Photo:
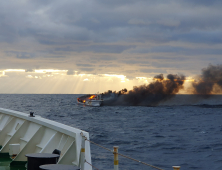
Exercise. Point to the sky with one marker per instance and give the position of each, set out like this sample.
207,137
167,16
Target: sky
82,46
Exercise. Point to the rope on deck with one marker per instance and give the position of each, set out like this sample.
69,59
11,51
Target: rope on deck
91,165
124,155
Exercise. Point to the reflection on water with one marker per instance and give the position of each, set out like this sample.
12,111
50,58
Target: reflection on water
185,130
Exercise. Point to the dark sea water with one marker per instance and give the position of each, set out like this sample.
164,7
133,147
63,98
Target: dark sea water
184,131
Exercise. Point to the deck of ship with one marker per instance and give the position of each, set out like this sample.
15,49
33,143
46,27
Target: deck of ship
5,164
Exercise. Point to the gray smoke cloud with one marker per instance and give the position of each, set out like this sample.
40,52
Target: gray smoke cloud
161,89
210,77
147,95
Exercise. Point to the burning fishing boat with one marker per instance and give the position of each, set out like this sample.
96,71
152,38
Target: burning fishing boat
90,100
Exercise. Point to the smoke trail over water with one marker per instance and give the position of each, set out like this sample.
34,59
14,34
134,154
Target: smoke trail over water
147,95
162,89
209,81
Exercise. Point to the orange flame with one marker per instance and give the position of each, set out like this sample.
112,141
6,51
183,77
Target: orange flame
91,97
84,101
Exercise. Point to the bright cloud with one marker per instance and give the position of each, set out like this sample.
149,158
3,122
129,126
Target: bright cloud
121,42
14,70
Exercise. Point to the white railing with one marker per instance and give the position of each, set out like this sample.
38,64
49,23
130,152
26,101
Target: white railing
40,135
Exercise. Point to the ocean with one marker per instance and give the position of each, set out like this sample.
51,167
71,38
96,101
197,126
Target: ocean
185,131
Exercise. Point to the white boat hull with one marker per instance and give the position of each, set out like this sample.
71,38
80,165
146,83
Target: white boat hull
39,135
95,103
90,100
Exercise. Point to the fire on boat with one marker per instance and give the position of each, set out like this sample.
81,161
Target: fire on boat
90,100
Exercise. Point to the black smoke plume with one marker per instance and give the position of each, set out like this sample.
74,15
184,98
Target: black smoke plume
210,81
147,95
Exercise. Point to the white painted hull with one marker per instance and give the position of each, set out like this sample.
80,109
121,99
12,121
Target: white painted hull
95,103
39,135
90,100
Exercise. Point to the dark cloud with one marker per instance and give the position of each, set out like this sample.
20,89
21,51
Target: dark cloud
150,70
65,22
178,50
110,21
54,56
110,48
27,55
85,65
59,29
108,65
87,69
103,58
135,61
202,2
116,3
97,48
24,55
207,37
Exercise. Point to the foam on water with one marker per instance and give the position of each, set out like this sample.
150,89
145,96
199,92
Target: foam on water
185,130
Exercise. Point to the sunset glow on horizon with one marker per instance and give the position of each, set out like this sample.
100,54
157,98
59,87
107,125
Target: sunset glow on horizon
50,81
58,47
